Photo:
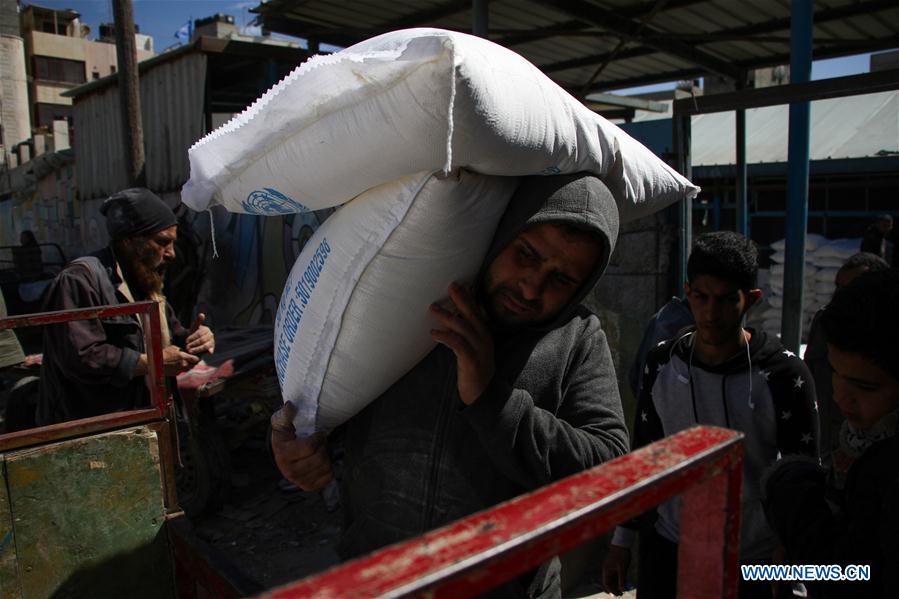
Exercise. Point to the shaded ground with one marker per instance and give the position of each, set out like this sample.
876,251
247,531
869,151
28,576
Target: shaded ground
271,535
275,536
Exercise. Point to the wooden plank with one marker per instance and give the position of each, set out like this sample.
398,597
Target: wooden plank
76,428
9,576
90,518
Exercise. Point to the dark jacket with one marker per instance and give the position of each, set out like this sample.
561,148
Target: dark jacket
418,458
664,324
767,393
860,528
87,364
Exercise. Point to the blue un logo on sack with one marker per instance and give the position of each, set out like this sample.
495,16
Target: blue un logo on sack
271,201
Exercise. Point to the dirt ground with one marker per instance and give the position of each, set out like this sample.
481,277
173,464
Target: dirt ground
270,534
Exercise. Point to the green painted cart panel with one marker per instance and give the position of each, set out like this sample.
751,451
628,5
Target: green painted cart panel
89,517
9,576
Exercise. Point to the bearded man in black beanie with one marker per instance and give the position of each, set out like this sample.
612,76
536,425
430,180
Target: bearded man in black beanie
97,366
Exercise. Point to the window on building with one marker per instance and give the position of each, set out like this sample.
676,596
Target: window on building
59,70
56,28
47,113
96,74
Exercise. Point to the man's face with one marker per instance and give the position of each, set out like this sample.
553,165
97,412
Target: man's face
718,307
885,226
538,273
146,258
159,248
863,391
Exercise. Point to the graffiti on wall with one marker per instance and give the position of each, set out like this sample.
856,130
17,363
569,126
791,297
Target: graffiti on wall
243,285
48,208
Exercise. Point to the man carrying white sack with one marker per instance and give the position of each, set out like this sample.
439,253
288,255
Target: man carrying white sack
519,392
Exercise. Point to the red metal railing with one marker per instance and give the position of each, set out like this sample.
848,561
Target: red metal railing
703,464
149,313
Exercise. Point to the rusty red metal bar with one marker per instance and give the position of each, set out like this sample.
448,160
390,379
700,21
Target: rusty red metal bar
486,549
42,318
149,313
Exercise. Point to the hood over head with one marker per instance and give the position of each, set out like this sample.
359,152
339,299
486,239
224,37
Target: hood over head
580,200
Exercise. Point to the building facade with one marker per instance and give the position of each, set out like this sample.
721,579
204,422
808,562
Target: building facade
59,56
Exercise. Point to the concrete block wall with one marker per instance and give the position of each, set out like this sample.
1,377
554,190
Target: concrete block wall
637,283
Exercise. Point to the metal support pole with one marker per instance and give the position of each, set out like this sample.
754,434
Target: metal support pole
710,521
797,178
129,92
480,16
681,145
742,204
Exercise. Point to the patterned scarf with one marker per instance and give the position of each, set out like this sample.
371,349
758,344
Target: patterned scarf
854,442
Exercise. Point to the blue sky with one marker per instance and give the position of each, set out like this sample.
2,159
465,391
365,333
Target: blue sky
162,18
159,18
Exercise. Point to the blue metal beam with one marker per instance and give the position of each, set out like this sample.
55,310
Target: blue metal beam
887,165
797,176
741,181
681,143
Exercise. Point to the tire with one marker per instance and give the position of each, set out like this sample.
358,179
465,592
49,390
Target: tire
204,481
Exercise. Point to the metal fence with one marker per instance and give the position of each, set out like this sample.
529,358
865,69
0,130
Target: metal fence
704,465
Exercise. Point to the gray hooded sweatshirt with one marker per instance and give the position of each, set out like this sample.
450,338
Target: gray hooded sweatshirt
418,458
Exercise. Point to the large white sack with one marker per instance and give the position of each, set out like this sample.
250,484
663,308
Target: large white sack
780,257
809,272
826,262
417,100
825,287
812,242
354,317
839,248
827,274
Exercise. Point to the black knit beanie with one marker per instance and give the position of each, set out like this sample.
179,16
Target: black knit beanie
134,212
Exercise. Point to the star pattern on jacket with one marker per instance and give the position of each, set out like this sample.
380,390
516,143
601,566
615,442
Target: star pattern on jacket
786,415
789,354
807,438
798,382
643,416
765,374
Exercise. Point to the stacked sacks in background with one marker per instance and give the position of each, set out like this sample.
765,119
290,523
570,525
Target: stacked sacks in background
420,136
823,258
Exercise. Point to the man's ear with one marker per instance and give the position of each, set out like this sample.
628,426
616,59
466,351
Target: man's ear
753,296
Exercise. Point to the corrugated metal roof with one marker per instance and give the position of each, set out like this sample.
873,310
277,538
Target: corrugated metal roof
174,106
597,45
850,127
172,96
